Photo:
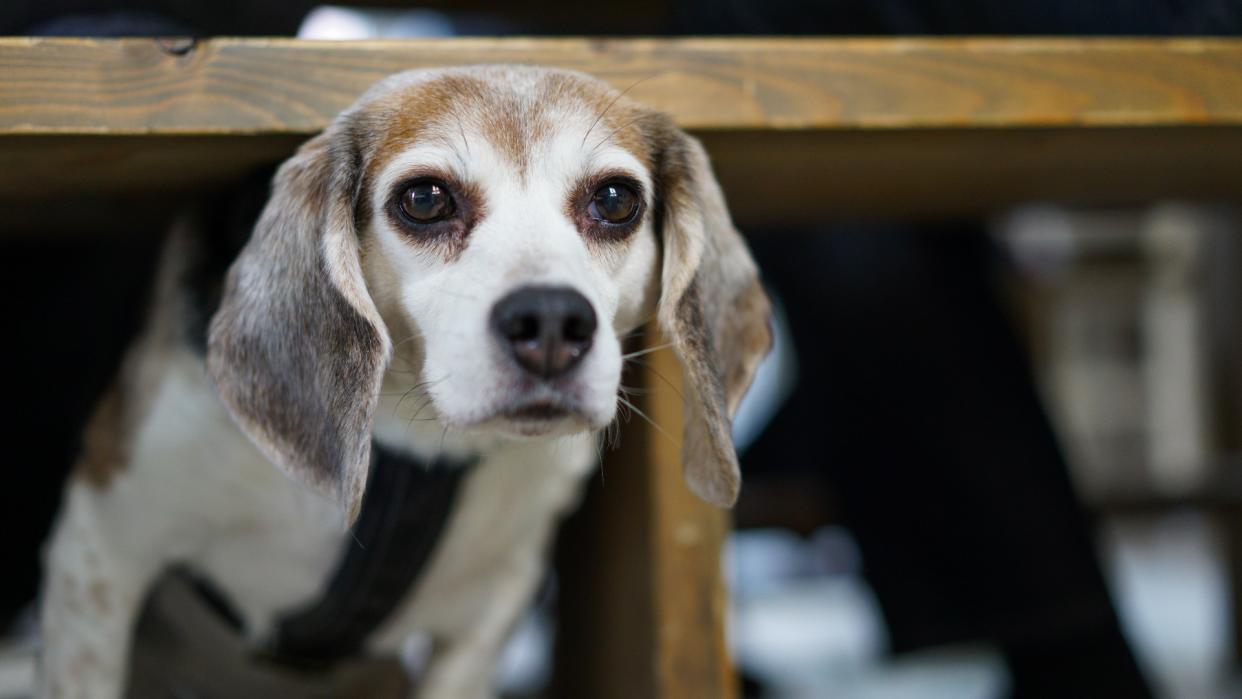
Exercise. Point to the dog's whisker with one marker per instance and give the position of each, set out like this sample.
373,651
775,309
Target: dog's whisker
639,330
644,416
422,386
621,94
397,345
461,128
649,350
443,434
612,133
599,455
421,408
428,400
611,435
658,375
401,400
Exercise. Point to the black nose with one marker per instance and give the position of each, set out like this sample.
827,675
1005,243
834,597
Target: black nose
547,330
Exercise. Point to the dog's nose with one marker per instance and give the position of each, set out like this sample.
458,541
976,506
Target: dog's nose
547,330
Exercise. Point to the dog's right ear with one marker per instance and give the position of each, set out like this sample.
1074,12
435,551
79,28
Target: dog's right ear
712,307
297,349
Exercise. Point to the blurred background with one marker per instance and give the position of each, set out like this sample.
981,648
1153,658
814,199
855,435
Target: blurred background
988,457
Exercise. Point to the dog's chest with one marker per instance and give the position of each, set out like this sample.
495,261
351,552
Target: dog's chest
272,546
493,543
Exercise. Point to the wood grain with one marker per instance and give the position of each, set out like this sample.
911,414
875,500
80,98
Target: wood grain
800,130
280,86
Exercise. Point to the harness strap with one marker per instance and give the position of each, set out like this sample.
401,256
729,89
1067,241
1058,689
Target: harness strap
405,509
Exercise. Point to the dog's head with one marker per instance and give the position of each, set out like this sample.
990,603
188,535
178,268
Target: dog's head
501,229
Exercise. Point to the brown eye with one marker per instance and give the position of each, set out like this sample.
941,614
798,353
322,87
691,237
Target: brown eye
425,202
614,203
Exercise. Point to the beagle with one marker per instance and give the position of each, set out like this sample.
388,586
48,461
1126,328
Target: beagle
441,280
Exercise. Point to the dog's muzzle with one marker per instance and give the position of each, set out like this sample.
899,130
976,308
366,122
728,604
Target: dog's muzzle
546,330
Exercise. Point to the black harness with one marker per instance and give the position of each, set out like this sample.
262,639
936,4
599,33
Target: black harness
404,512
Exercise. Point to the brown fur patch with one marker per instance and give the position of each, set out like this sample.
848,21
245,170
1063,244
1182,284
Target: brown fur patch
106,441
456,108
404,118
618,119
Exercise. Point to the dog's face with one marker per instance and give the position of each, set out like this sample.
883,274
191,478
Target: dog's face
509,244
495,232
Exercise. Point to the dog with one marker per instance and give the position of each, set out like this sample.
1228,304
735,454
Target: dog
441,280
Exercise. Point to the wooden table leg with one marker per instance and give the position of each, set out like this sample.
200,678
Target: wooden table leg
642,599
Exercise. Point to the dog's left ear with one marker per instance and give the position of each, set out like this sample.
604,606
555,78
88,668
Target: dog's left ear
712,307
297,350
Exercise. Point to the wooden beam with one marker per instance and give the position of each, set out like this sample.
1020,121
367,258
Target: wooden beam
282,86
691,657
642,603
800,130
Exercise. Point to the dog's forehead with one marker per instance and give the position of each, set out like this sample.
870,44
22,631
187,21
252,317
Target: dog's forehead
515,109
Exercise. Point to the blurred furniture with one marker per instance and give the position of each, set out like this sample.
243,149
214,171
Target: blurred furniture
112,134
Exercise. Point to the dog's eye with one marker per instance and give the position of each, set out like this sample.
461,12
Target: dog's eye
425,202
614,203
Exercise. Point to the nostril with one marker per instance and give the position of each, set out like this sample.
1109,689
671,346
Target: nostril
578,329
521,328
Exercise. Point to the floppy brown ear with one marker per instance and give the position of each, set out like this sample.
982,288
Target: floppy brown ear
297,349
713,308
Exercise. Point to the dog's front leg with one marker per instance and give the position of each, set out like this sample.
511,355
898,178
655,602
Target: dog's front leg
462,667
96,576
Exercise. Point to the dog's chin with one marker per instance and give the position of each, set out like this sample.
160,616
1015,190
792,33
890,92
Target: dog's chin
537,419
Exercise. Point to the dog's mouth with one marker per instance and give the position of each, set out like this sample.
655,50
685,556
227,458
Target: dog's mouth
544,416
539,411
